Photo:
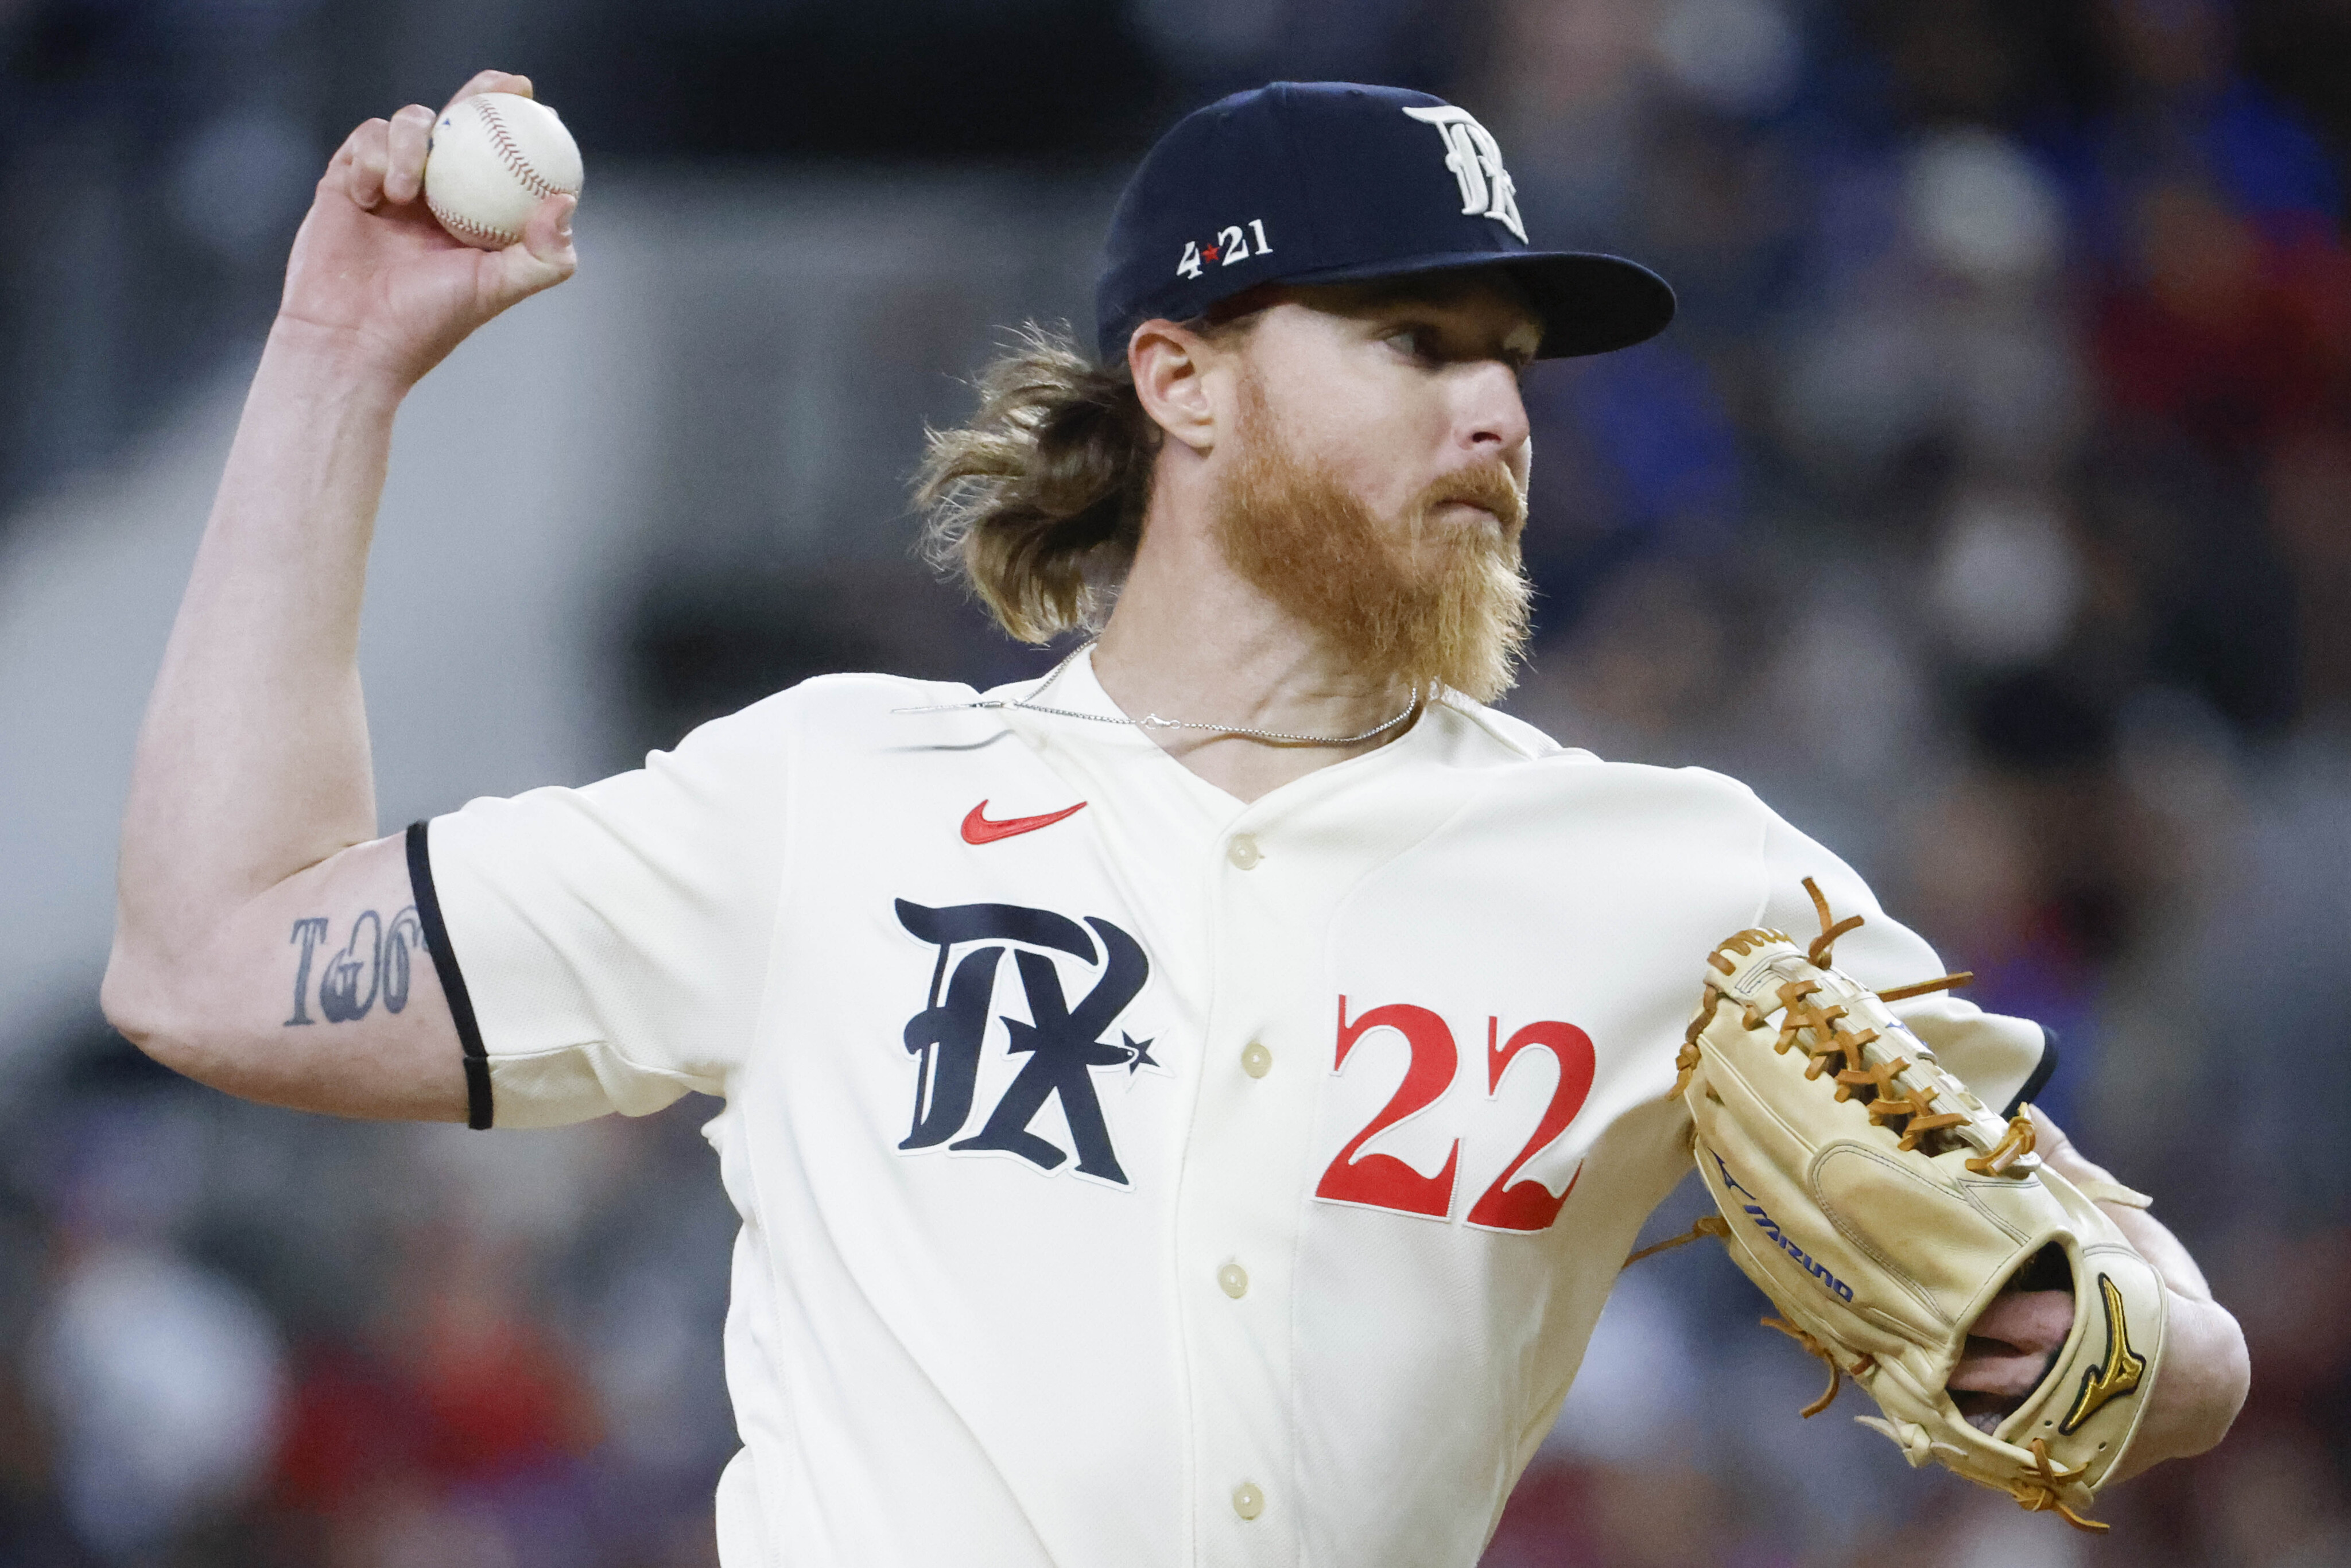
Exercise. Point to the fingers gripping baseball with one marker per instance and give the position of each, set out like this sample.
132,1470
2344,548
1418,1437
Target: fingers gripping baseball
491,81
544,256
376,278
357,168
406,141
384,160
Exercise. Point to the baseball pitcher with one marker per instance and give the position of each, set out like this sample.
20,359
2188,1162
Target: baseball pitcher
1190,1106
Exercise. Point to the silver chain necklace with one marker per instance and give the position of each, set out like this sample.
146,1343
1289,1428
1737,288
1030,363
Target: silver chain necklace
1153,721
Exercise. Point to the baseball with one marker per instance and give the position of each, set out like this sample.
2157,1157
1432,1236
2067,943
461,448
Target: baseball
491,158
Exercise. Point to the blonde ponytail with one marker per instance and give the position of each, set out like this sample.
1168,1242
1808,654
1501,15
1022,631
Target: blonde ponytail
1038,501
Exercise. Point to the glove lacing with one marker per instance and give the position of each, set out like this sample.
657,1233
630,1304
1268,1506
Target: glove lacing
1831,1041
1837,1371
2039,1494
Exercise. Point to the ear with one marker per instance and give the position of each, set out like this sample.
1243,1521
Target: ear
1170,365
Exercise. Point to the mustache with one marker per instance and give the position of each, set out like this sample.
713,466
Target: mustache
1488,485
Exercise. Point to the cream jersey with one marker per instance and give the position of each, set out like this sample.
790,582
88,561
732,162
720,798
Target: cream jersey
1129,1175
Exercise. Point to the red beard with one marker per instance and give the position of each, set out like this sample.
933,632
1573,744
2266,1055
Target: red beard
1408,600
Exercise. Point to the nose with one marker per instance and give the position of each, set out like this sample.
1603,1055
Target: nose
1491,415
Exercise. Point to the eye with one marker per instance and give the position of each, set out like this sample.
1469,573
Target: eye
1417,342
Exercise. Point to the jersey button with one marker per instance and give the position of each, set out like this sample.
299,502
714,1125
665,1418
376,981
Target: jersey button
1242,851
1233,1280
1256,1061
1247,1502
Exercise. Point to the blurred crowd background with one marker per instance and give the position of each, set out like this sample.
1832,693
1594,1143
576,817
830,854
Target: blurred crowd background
1985,509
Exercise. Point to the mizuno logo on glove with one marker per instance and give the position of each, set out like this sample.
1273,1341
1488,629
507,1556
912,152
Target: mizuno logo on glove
1770,1228
2113,1377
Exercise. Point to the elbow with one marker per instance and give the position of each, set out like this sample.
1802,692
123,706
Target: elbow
137,1000
129,1000
2207,1373
2227,1377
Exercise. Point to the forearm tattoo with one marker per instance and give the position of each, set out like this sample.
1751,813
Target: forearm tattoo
377,961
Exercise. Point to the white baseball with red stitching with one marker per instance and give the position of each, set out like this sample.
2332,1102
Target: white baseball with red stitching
491,160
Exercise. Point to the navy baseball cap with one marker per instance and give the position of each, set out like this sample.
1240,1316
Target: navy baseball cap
1337,182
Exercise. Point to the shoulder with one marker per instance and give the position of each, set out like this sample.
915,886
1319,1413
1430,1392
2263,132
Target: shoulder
1477,733
721,787
853,699
832,709
1473,734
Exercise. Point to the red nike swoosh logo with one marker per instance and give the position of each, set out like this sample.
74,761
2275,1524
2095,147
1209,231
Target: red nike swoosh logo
979,829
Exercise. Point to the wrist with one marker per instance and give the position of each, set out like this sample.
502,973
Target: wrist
333,360
2067,1162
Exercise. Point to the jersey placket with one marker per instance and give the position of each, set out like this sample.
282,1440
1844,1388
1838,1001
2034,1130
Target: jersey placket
1238,1209
1281,872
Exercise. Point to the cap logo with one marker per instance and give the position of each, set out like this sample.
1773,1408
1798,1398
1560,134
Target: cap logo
1232,245
1475,160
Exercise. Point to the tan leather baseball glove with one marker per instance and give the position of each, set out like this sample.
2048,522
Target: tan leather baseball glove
1882,1209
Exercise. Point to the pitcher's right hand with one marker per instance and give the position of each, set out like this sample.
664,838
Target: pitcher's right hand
373,276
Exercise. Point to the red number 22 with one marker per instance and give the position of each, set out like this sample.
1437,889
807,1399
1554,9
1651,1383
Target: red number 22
1382,1181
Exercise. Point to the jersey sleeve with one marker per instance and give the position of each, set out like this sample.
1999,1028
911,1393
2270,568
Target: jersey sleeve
605,948
2004,1059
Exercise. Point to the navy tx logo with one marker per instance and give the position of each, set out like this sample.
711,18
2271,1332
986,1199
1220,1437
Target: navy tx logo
1475,160
1063,1044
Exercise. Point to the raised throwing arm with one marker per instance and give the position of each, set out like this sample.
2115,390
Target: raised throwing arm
265,939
